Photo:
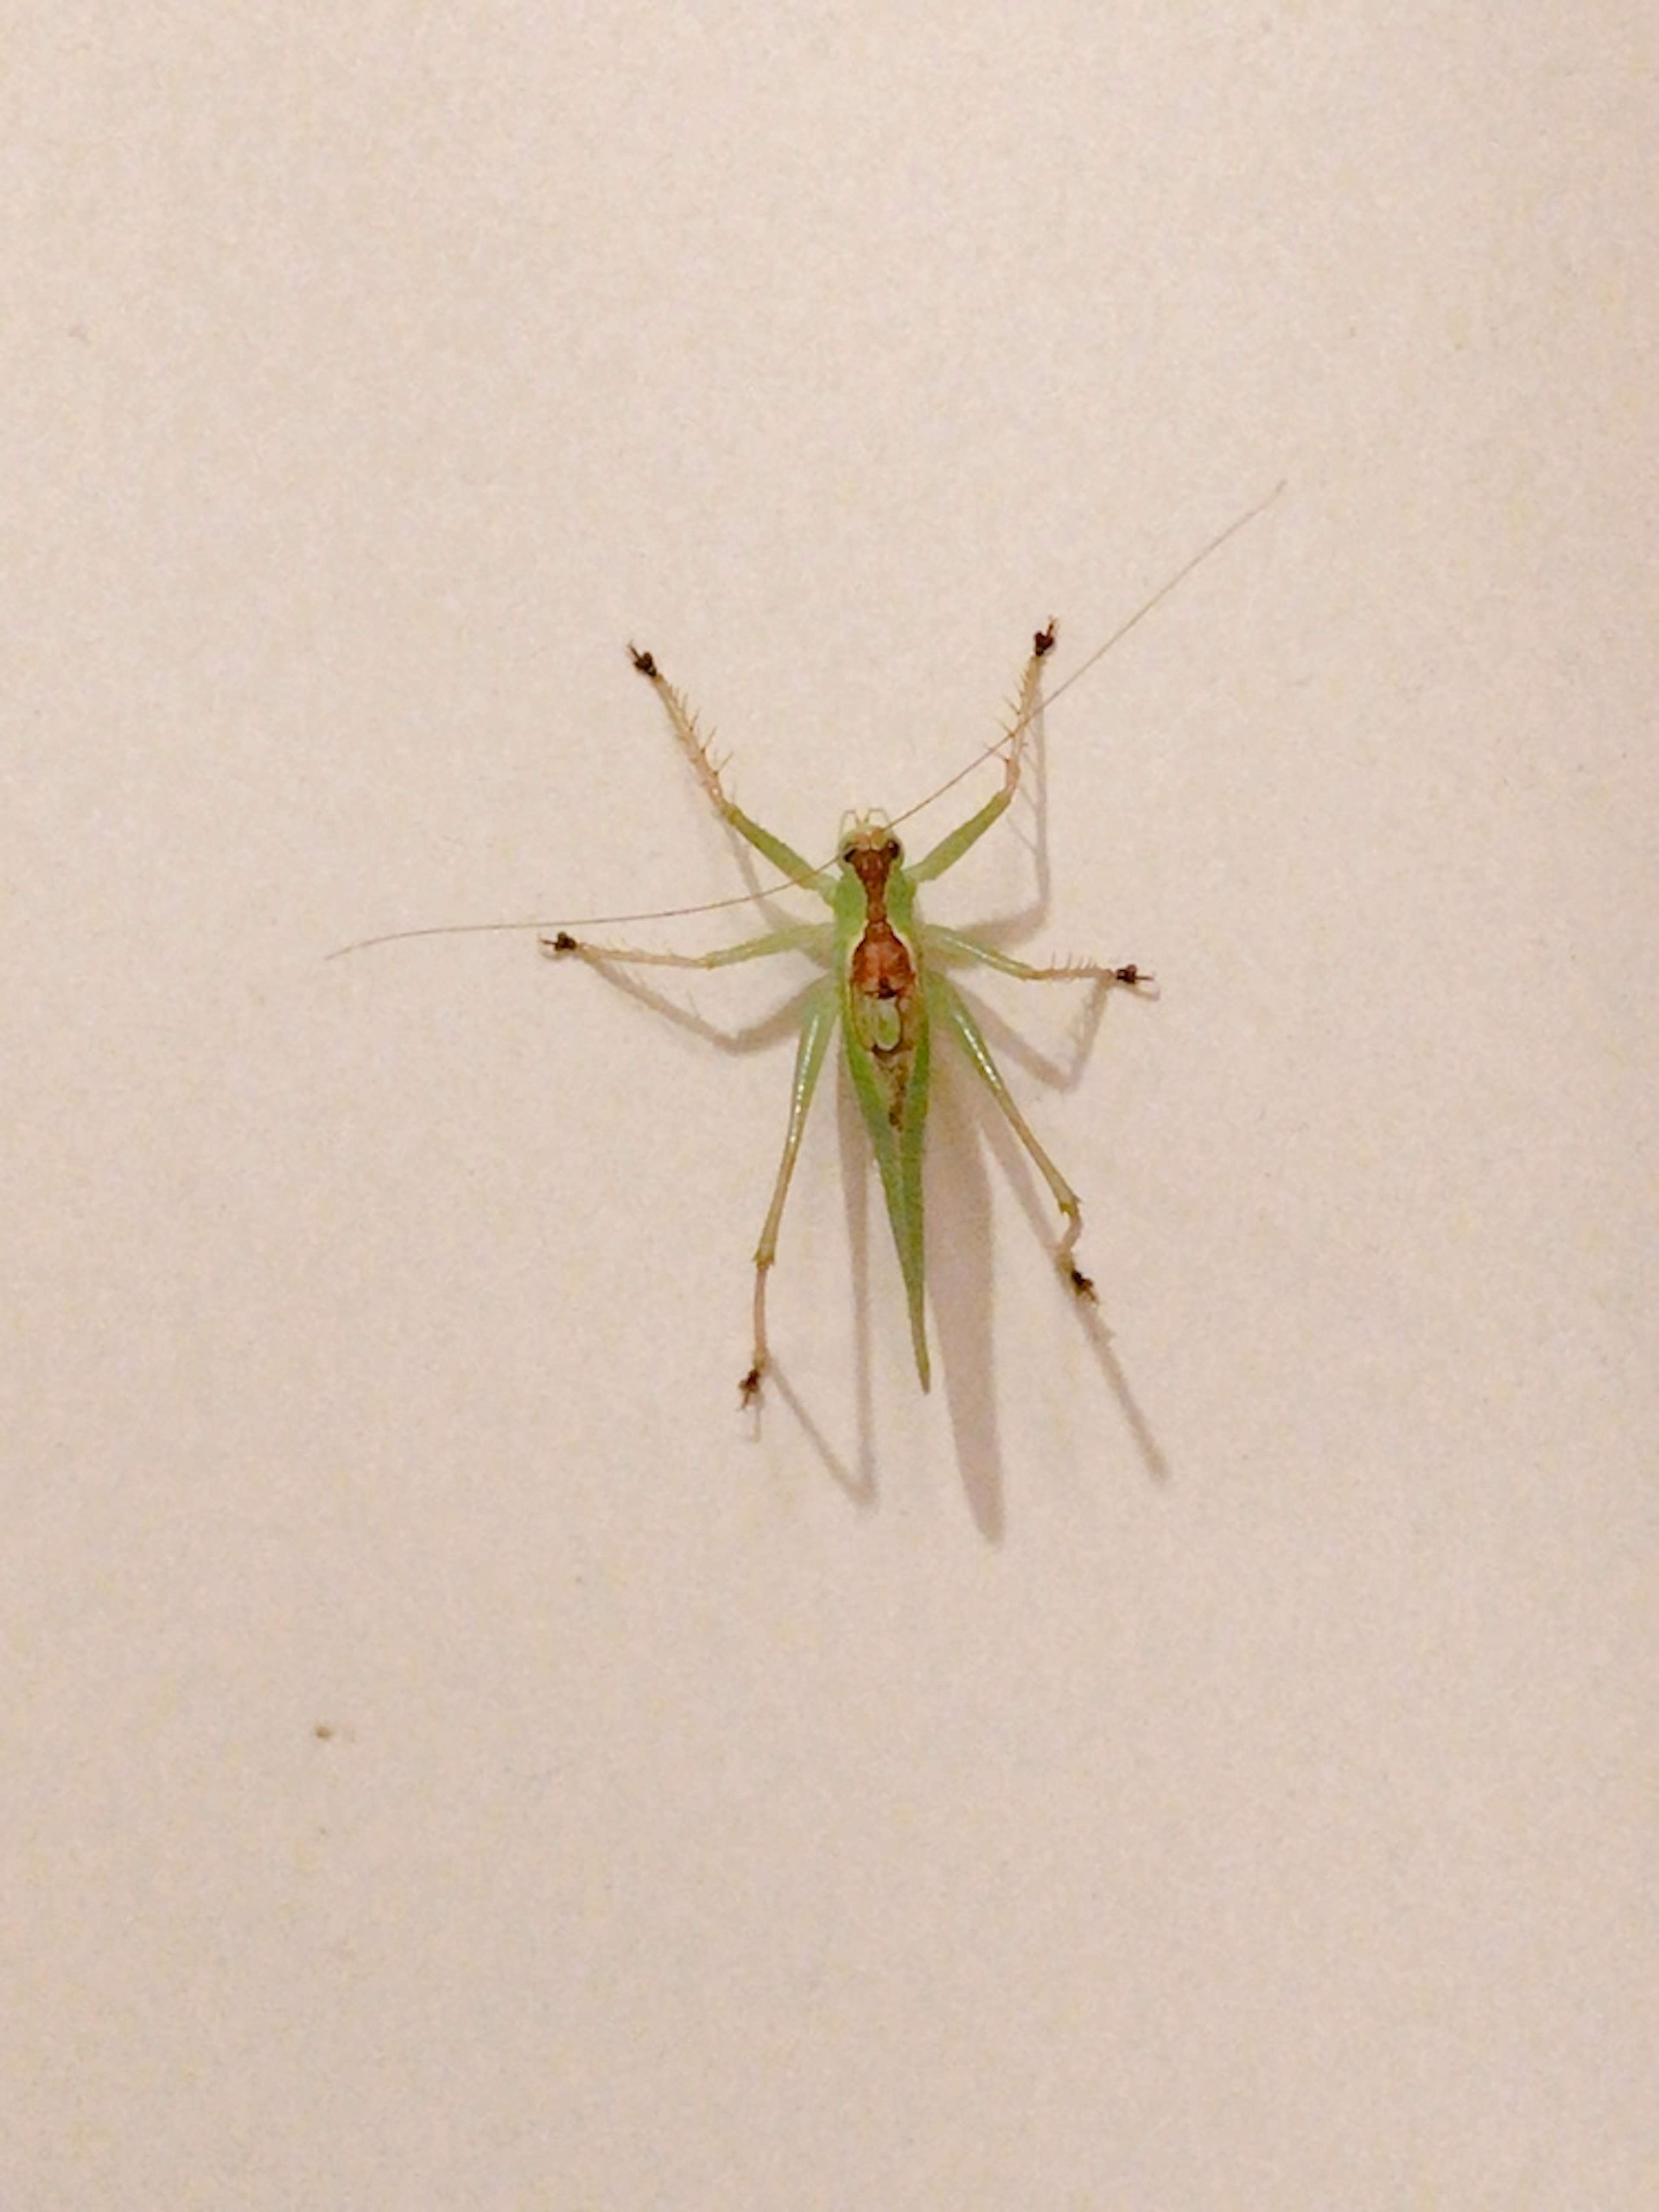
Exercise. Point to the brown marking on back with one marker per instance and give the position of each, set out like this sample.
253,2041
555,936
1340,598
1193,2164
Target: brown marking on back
881,966
883,973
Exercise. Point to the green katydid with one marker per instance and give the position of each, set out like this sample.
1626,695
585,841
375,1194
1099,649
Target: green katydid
886,989
885,984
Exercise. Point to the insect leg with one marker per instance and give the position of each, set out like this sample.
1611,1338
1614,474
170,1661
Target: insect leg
949,1007
953,944
809,937
1029,705
822,1011
695,747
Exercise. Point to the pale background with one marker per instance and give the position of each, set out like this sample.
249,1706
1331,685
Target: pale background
448,1761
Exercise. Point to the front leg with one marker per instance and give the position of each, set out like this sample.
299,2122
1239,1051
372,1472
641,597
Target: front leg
707,769
949,850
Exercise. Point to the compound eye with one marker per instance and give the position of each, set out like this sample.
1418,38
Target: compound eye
892,850
848,855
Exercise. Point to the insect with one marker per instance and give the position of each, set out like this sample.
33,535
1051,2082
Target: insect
884,987
885,984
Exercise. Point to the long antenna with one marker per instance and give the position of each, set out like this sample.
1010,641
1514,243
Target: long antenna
557,921
1100,652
